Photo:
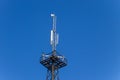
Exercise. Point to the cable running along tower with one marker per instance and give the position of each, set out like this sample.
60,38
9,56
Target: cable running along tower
53,61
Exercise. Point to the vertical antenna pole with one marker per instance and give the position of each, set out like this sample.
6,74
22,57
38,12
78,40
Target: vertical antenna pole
54,22
54,36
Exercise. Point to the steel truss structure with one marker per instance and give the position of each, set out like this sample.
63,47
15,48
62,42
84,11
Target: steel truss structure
53,62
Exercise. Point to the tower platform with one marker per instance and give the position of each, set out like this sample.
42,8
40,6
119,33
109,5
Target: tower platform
53,58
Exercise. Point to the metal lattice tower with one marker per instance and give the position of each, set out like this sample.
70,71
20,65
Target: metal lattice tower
53,61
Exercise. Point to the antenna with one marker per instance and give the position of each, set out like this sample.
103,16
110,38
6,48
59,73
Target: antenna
54,35
53,61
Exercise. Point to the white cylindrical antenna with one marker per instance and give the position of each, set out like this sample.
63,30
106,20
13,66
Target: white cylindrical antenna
51,37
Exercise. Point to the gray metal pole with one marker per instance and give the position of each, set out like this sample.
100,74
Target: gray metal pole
53,76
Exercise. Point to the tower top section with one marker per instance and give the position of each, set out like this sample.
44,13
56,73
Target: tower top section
54,36
53,61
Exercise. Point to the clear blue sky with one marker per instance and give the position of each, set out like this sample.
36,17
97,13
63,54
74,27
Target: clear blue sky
89,38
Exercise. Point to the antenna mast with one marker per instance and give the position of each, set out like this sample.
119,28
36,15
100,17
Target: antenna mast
54,35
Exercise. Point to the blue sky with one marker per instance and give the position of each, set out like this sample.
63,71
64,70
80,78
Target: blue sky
89,38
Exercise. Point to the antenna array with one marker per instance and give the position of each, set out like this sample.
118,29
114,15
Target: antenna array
54,36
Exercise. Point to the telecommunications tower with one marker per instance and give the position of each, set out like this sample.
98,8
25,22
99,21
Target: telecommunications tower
53,61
